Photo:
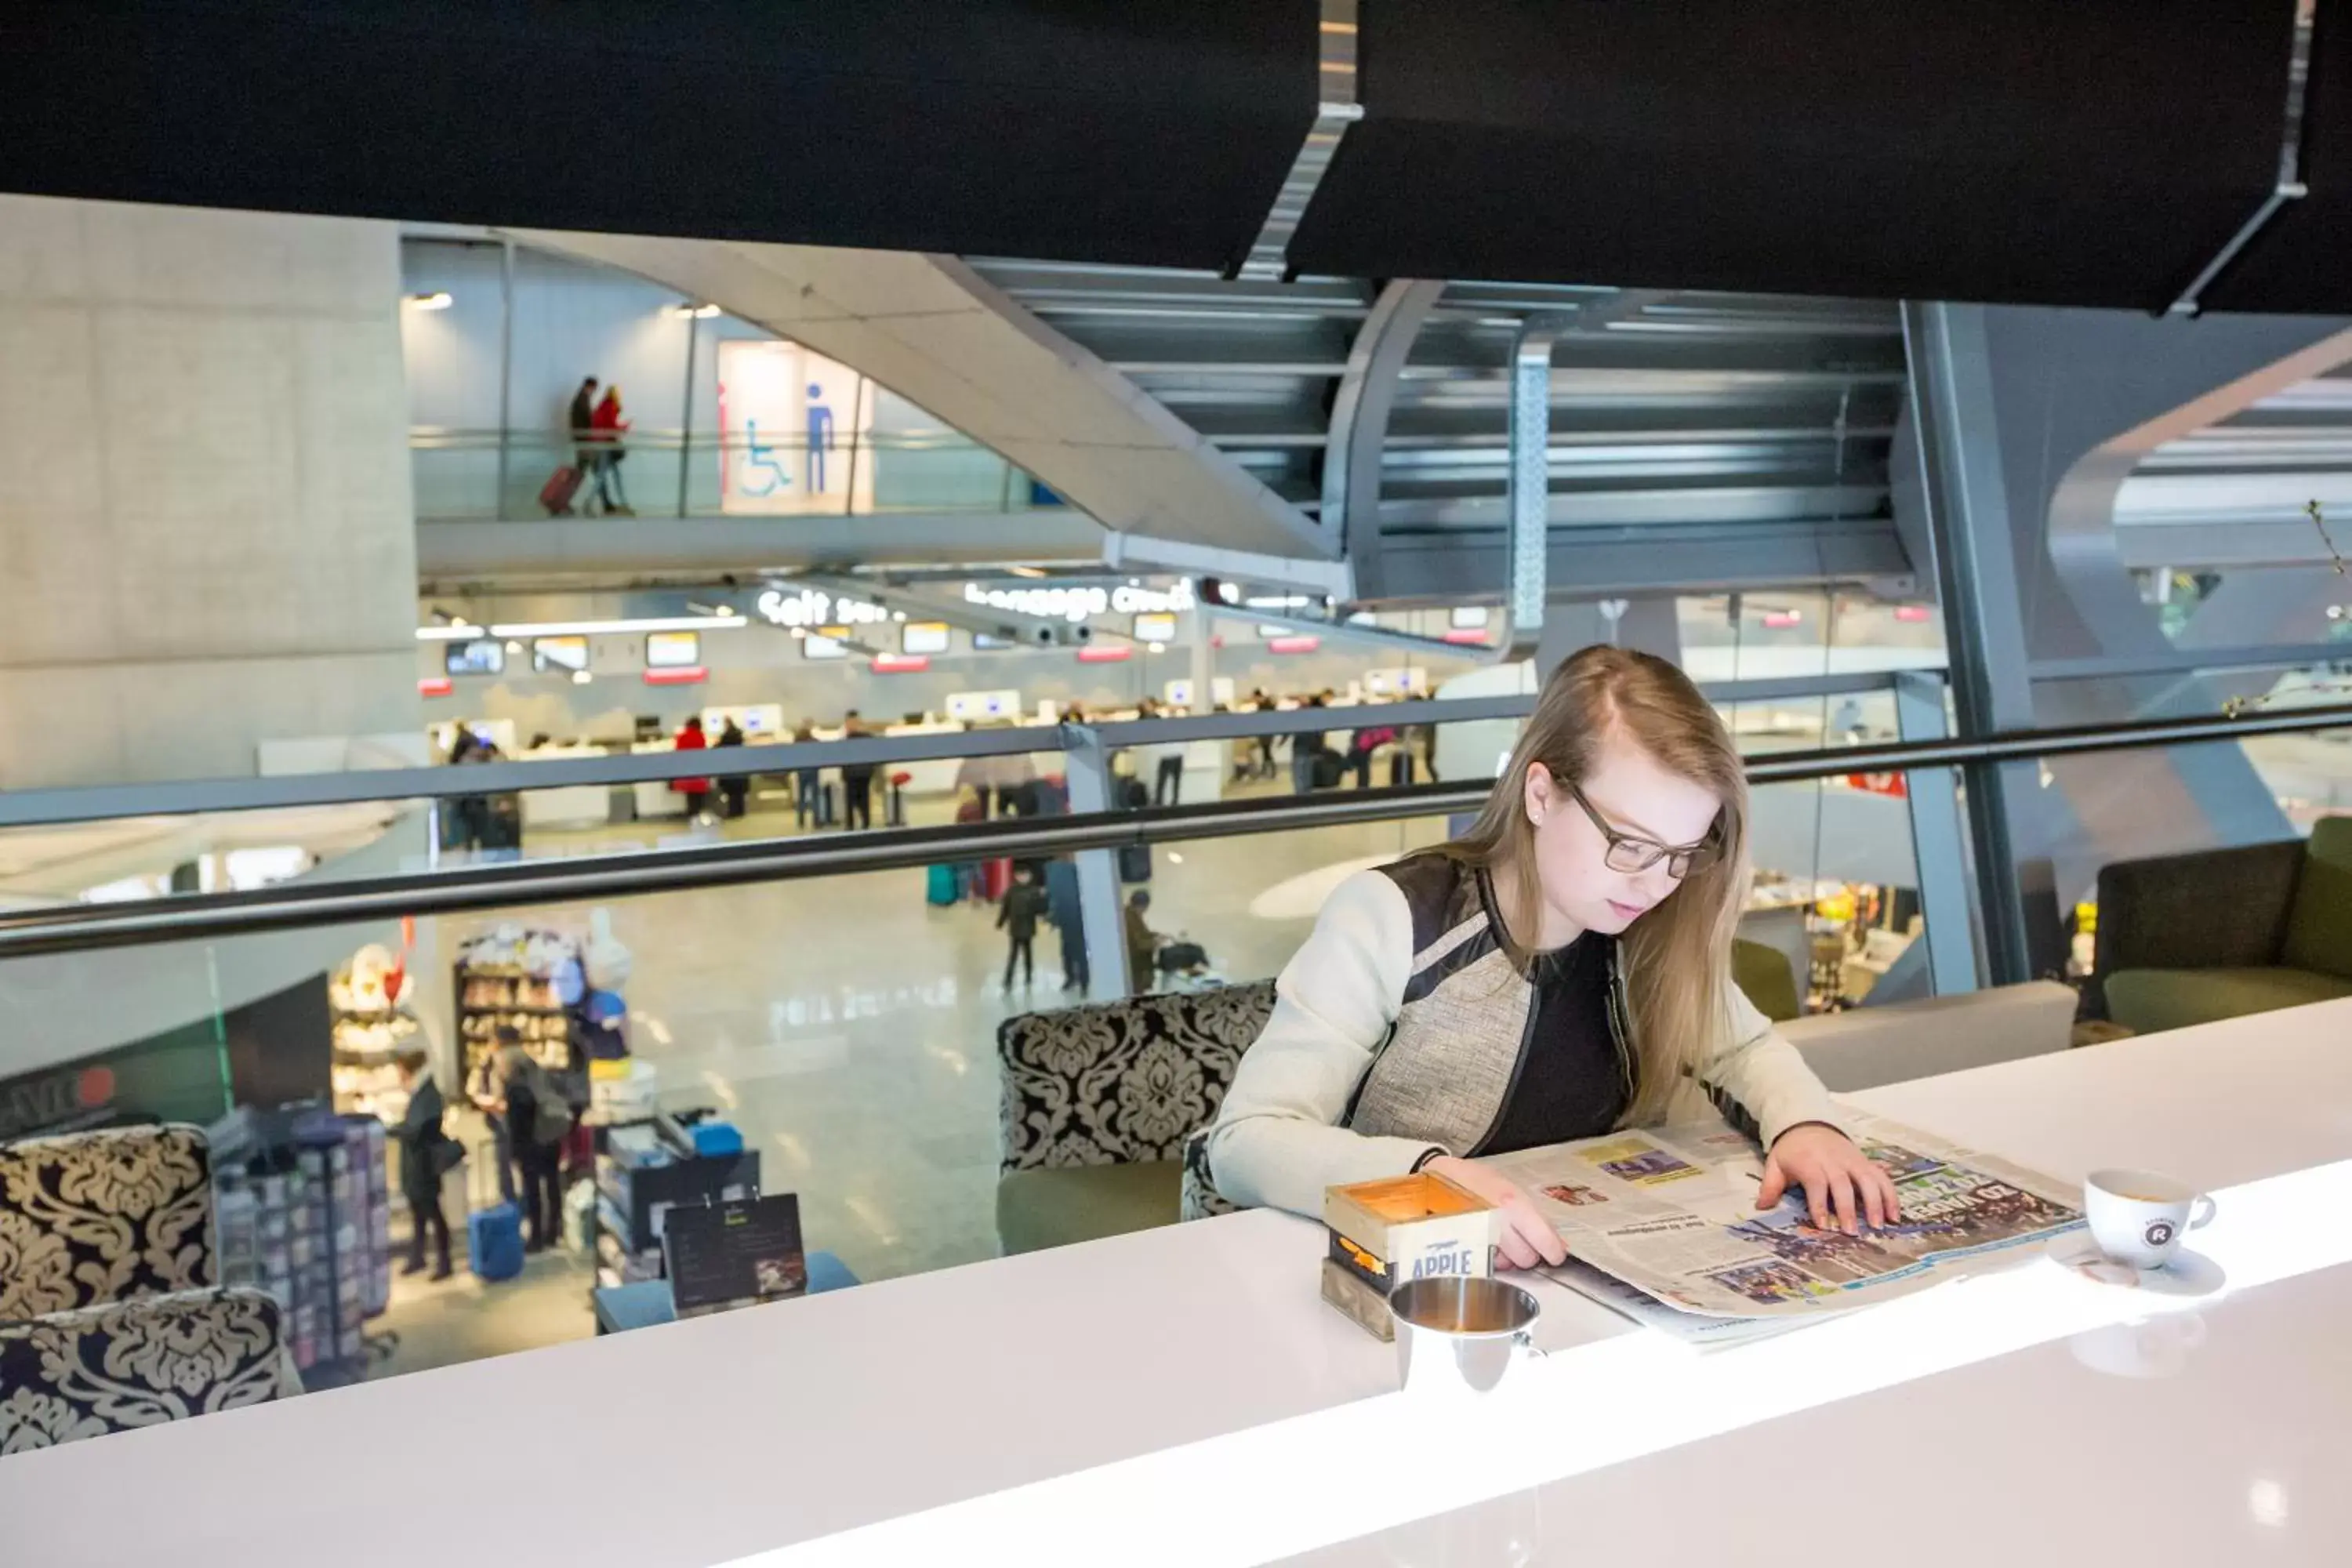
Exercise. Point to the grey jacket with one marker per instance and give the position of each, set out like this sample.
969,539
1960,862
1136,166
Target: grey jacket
1400,1029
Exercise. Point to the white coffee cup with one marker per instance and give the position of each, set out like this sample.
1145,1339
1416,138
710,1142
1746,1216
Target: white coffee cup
2139,1218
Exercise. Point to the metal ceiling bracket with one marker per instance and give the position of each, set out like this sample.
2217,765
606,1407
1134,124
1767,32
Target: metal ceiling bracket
2289,185
1335,109
1530,539
1530,482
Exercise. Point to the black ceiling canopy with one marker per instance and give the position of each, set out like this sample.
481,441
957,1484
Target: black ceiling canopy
2059,152
2302,260
1055,128
2084,152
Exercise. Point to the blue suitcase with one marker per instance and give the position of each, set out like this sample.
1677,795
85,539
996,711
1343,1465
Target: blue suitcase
942,886
493,1242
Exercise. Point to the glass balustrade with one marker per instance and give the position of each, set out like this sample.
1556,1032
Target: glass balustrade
481,475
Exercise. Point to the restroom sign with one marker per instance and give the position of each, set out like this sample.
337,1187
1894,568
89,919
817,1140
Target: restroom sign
791,430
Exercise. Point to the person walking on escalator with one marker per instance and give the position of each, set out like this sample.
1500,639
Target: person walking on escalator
583,437
606,426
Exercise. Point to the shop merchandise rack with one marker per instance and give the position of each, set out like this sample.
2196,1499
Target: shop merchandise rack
365,1041
510,978
304,1210
644,1169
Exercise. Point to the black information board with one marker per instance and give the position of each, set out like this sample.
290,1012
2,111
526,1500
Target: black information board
734,1253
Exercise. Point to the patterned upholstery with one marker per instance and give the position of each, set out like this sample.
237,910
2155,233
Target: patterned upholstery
140,1363
103,1216
1120,1082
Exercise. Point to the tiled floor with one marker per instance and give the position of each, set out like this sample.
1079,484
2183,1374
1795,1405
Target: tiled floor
849,1028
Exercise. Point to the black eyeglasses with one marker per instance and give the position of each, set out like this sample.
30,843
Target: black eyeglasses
1631,854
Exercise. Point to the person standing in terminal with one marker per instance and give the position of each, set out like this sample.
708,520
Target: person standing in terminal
1306,749
1017,916
1062,908
697,791
426,1154
1562,970
607,426
736,791
583,432
538,1119
857,780
807,800
1142,944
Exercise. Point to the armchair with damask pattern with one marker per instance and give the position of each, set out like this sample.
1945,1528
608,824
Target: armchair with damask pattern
139,1362
89,1218
1099,1105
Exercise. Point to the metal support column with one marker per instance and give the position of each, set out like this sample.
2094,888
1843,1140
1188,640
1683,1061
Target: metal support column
1531,480
1204,661
1961,488
686,404
1088,768
1938,841
506,371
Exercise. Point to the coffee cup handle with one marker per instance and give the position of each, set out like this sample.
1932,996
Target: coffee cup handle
2199,1221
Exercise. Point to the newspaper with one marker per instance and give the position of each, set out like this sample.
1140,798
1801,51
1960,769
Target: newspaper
1671,1212
1691,1327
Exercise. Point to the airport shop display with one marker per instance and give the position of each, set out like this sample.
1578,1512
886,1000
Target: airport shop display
303,1202
368,999
1668,1215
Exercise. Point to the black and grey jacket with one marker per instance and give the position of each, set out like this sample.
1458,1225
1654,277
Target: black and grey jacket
1400,1028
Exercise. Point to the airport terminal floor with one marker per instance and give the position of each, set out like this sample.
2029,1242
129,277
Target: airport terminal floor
849,1029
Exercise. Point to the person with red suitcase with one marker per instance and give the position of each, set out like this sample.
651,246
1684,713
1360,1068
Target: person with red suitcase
563,484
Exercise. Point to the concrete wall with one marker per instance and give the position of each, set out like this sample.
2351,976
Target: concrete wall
205,526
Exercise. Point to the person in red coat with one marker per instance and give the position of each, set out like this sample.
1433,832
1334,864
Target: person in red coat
604,429
697,791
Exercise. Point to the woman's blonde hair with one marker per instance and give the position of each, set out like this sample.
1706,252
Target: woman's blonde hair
1677,957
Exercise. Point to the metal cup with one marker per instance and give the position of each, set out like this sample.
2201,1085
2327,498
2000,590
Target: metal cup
1457,1336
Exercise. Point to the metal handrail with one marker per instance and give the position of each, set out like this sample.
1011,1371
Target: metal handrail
470,438
634,872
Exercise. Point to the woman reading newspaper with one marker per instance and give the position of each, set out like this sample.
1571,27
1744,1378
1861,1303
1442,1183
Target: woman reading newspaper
1561,971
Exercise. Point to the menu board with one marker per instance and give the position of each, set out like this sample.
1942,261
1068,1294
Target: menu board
483,655
734,1254
673,650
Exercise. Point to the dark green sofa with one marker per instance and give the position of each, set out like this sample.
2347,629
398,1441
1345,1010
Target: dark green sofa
2189,939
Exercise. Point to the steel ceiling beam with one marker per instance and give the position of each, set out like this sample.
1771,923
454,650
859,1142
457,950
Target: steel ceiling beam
1357,443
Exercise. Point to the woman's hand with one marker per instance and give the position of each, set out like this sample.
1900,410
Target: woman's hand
1836,1176
1527,1237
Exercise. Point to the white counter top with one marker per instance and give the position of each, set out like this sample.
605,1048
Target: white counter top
763,1428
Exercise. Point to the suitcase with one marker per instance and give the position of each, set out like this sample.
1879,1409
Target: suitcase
941,887
493,1242
557,493
1135,863
995,875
